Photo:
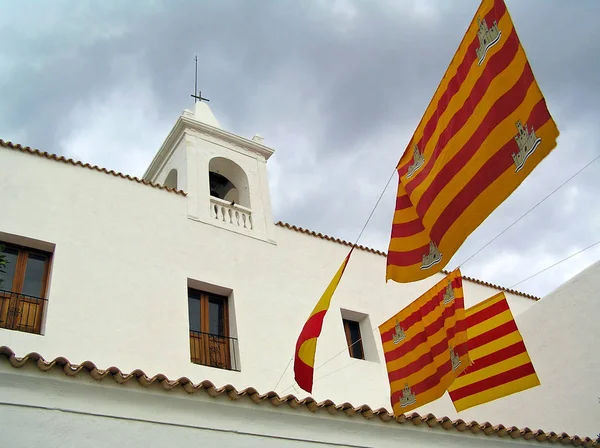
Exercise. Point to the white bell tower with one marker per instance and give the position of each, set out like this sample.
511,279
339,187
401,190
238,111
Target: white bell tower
223,174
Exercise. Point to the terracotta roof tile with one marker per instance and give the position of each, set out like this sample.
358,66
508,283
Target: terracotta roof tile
62,159
383,254
274,399
328,238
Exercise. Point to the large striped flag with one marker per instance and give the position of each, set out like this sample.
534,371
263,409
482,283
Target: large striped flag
425,345
306,346
501,365
486,128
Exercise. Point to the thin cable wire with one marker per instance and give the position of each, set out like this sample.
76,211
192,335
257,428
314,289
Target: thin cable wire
336,370
524,280
557,263
472,256
468,259
518,283
529,211
375,207
338,354
283,373
353,246
376,328
333,357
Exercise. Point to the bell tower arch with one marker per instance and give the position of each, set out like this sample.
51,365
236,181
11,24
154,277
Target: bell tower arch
223,174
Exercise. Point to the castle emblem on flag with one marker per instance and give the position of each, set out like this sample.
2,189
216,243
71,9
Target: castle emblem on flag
433,257
399,335
418,161
454,359
488,37
407,397
527,142
448,294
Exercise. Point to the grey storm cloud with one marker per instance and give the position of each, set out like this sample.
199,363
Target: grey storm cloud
337,87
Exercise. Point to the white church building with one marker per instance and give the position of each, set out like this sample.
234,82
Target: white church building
164,311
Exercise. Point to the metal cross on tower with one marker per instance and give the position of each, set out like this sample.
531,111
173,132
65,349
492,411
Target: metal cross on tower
197,97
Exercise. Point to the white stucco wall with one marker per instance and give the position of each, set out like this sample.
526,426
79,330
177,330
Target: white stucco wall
118,290
50,409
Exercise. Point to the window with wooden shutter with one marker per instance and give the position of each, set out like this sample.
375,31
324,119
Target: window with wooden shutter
23,283
210,341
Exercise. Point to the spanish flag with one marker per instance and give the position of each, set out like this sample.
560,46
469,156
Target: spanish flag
486,128
306,346
501,365
425,345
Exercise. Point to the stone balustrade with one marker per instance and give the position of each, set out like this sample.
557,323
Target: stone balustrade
236,215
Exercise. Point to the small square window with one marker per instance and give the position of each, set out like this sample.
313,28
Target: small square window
353,339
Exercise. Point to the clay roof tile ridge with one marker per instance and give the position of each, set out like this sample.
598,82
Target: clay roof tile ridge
378,252
69,161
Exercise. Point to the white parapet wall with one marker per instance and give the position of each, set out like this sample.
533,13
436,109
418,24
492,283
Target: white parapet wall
53,409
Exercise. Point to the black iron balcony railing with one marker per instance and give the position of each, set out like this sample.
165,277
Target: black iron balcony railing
21,312
214,351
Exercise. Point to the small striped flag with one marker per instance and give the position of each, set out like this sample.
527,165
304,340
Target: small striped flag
425,345
306,345
501,365
485,130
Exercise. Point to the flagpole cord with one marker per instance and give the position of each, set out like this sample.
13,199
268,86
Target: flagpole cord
468,259
529,211
376,328
353,246
557,263
283,373
374,208
332,358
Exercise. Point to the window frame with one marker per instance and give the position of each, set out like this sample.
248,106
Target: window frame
358,344
13,302
204,298
207,348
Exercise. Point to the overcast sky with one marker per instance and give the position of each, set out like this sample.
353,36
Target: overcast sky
336,87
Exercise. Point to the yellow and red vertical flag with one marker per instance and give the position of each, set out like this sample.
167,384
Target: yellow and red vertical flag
486,128
425,345
306,346
501,365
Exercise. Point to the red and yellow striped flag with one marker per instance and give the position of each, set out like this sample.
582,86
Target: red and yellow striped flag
486,128
425,345
306,346
501,365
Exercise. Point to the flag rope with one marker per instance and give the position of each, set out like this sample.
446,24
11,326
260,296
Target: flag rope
529,211
464,262
332,358
375,207
557,263
283,373
376,328
353,246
